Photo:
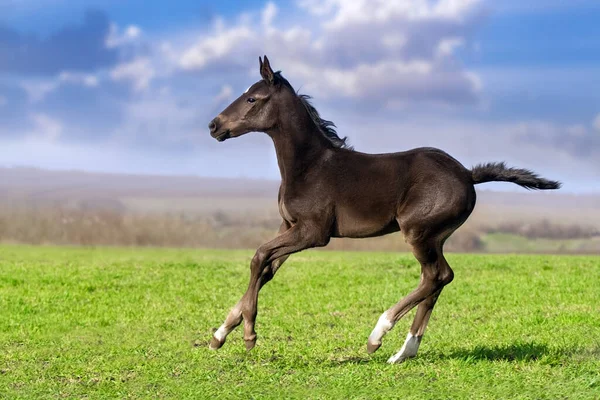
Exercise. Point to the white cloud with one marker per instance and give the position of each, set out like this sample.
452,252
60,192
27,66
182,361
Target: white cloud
317,7
133,32
139,72
268,13
455,9
576,141
224,95
45,128
447,46
394,50
216,47
88,80
366,80
156,117
476,81
394,40
576,131
377,11
596,123
116,38
38,89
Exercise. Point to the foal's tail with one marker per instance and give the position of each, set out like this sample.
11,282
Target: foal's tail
523,177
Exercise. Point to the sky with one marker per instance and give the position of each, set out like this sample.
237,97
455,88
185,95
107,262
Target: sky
130,86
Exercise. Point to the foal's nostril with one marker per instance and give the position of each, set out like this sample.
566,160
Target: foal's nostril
212,126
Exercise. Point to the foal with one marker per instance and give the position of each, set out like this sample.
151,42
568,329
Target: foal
329,190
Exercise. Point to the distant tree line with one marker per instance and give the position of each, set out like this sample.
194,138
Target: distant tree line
112,224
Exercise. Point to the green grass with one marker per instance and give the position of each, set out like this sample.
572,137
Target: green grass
119,323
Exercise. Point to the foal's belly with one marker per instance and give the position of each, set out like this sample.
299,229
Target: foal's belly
357,232
363,225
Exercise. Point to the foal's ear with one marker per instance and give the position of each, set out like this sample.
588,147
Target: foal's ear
265,70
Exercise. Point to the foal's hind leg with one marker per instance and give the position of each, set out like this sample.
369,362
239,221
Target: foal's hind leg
413,339
435,274
424,310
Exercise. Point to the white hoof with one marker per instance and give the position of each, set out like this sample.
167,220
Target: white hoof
408,350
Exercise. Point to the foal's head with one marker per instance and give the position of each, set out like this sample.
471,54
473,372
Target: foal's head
259,110
256,110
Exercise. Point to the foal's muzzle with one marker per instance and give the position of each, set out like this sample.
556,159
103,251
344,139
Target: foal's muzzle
216,132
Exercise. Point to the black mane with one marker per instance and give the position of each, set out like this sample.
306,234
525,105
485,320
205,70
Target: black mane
327,128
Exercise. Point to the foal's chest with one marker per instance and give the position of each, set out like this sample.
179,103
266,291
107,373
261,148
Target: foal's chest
284,212
299,202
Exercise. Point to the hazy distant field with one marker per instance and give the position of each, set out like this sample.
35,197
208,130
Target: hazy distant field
79,208
116,323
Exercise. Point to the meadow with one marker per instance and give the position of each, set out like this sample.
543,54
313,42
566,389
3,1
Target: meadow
103,323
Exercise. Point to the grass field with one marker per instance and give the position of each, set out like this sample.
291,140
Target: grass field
135,323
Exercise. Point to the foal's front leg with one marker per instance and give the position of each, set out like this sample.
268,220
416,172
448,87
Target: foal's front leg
234,318
266,261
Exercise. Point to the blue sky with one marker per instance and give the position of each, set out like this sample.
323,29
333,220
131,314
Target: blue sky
130,86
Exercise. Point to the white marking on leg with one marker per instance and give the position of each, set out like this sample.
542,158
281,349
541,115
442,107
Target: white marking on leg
220,336
408,350
383,326
231,321
221,333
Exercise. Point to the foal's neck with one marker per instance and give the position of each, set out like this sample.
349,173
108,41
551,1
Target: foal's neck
299,144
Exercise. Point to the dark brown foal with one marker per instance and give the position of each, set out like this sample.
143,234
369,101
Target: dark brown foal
329,190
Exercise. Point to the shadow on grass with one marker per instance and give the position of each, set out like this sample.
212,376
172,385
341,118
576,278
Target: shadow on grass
509,352
349,360
514,352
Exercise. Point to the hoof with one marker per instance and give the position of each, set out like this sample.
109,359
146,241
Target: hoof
250,344
373,347
398,360
215,343
408,350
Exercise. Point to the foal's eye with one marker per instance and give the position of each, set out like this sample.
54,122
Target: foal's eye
251,100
